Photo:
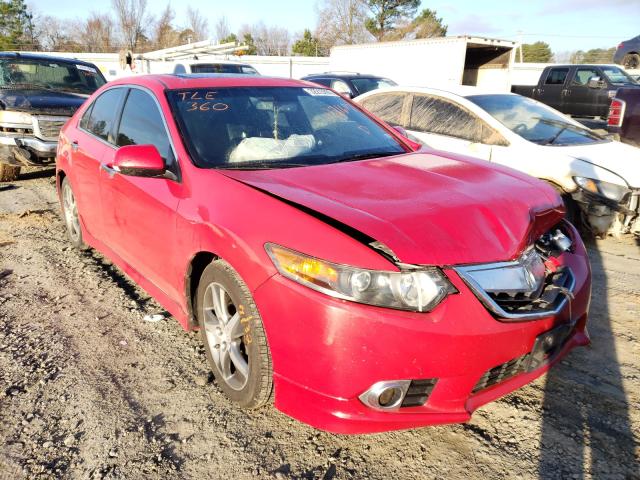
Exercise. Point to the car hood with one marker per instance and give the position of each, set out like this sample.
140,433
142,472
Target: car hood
428,209
40,101
617,157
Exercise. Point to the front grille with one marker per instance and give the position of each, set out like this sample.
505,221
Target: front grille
418,392
554,291
50,127
502,372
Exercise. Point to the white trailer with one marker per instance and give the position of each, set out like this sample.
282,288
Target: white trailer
463,60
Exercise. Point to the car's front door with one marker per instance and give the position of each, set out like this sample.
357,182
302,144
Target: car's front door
580,98
444,125
88,145
140,211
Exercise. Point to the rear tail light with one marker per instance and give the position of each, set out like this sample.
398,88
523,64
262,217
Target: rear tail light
621,46
616,113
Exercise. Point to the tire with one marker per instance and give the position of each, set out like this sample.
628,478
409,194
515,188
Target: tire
631,61
9,173
234,338
70,215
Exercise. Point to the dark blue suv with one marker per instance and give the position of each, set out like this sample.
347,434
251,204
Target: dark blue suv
628,53
350,84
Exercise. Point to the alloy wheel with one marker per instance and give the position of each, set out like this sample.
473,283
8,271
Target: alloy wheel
225,335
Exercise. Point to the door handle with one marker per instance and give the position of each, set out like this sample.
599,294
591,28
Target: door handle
74,145
111,171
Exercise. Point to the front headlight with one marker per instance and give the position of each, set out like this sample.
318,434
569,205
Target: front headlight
416,290
609,190
16,118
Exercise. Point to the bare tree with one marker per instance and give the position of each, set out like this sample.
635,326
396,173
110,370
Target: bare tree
198,24
268,40
164,34
132,17
96,33
222,29
55,35
342,22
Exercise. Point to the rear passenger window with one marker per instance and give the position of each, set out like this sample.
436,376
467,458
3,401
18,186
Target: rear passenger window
439,116
142,124
387,106
103,114
557,76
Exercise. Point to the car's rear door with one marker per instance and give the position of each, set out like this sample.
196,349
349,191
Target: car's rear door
552,90
140,211
444,124
89,142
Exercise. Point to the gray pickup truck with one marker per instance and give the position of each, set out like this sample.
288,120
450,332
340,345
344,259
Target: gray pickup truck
578,90
38,94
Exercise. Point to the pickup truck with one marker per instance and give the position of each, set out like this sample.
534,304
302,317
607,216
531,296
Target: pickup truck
578,90
624,116
38,94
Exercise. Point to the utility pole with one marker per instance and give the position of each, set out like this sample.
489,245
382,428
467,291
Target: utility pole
520,36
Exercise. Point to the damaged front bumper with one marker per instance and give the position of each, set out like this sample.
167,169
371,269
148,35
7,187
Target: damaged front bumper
605,216
22,150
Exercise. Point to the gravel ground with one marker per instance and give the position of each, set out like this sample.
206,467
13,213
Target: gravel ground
88,389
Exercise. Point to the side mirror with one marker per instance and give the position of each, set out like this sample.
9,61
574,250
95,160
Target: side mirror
415,146
139,161
596,82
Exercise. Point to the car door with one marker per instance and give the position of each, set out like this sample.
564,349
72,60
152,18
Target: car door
390,107
89,142
140,211
581,99
444,124
552,90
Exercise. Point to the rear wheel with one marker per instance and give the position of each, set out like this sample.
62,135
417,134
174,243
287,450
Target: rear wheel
9,173
234,337
631,61
70,215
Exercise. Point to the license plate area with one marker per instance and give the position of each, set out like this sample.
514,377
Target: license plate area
547,346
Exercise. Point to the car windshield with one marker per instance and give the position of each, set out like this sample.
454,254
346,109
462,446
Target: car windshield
617,76
275,127
223,68
364,85
533,121
49,75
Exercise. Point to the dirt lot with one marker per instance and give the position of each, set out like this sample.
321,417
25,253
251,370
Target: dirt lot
88,389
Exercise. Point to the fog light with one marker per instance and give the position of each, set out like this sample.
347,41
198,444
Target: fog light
385,395
389,396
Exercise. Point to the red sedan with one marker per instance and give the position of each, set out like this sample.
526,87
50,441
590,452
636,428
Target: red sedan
360,285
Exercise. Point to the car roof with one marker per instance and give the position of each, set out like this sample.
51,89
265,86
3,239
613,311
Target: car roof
206,80
38,56
214,62
349,75
455,90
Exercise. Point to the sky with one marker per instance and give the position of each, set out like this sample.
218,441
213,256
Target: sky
565,24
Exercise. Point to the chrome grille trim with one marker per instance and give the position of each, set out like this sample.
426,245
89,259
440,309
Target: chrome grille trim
48,127
488,301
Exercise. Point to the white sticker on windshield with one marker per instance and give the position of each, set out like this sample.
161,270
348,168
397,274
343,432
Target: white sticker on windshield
318,92
85,68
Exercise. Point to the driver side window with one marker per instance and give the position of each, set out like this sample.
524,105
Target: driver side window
142,124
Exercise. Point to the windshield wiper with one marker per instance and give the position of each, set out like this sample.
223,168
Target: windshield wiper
365,156
260,166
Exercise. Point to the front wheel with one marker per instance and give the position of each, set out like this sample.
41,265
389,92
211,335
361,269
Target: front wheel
9,173
234,337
